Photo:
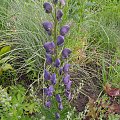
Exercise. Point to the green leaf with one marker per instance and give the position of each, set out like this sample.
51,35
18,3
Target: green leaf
7,67
1,71
5,50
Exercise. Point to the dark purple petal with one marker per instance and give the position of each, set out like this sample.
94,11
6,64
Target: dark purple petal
60,40
48,104
68,86
58,98
47,26
48,7
60,71
60,106
64,30
57,63
62,2
59,15
53,79
57,116
66,68
49,47
66,52
46,75
66,79
48,59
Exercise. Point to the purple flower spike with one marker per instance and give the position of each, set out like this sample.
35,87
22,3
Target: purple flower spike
46,75
60,71
68,86
48,104
58,98
60,106
60,40
66,79
62,2
53,79
57,116
48,59
57,63
47,6
66,52
59,15
66,68
64,30
47,26
49,47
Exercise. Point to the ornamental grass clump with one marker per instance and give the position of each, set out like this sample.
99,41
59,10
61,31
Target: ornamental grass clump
56,72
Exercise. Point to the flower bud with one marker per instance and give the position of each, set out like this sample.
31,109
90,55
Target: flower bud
48,59
58,98
60,40
57,63
47,6
62,2
66,68
60,106
57,116
64,30
66,52
48,104
60,71
46,75
47,26
59,15
66,79
53,79
49,47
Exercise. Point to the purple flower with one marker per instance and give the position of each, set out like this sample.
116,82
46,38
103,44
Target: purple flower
66,79
49,47
66,52
60,40
46,75
58,98
68,94
57,116
62,2
68,86
47,26
49,91
53,78
66,68
59,15
60,71
60,106
64,30
47,6
57,63
48,59
48,104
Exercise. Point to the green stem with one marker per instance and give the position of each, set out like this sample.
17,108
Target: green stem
55,30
